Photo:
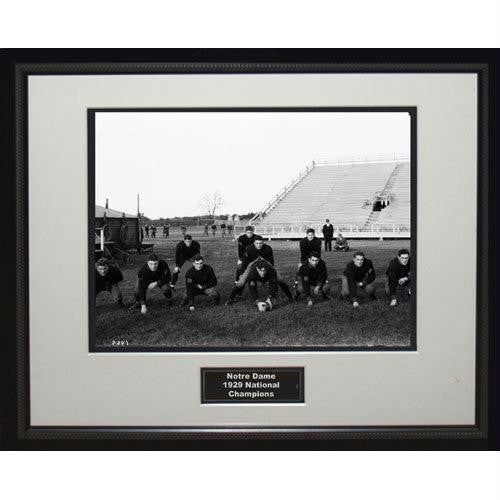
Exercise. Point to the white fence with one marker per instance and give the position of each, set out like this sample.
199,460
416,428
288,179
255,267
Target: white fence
292,231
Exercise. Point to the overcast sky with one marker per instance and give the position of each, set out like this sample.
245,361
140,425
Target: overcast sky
171,159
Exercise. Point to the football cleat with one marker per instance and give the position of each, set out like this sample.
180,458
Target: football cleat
393,302
144,309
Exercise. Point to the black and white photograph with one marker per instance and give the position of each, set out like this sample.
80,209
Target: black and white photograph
256,255
241,229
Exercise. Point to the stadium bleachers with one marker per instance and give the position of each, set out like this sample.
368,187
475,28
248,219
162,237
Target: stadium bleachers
344,193
398,212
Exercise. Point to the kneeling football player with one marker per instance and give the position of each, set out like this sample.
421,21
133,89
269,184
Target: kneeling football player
261,271
264,273
313,279
107,278
309,244
155,273
359,274
398,274
200,280
254,251
244,241
184,251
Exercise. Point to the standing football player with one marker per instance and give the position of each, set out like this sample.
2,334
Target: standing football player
398,274
358,274
184,251
313,279
155,273
200,280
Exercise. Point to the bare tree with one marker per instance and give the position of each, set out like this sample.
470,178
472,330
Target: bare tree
211,202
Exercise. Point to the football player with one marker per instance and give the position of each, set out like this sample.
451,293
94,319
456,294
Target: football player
155,273
313,279
309,244
244,241
200,280
107,278
184,251
260,271
358,274
398,274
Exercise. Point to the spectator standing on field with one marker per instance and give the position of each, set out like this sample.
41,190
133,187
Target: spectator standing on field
146,228
214,229
223,229
328,235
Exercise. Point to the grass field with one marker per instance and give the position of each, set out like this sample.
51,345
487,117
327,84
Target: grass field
333,324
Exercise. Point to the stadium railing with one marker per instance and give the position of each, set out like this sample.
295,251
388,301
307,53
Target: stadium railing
288,231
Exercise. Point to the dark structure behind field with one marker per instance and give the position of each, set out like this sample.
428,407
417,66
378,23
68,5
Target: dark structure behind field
116,232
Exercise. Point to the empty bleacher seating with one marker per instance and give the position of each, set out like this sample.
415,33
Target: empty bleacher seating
343,192
398,212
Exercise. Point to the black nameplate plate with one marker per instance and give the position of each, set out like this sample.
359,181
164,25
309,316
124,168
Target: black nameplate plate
252,385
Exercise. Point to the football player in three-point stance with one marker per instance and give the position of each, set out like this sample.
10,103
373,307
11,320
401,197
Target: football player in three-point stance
184,251
359,274
398,274
313,279
155,273
200,280
107,278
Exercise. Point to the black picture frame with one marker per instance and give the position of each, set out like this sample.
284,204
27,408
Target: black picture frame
16,65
